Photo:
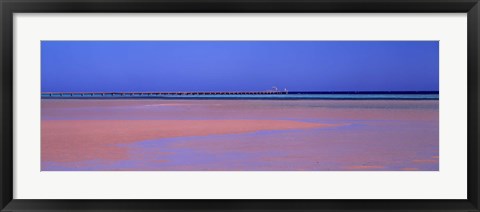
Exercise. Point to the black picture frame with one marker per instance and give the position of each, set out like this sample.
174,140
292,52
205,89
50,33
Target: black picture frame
9,7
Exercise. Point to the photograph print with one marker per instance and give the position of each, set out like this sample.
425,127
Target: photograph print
240,106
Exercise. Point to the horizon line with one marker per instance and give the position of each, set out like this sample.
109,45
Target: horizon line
277,91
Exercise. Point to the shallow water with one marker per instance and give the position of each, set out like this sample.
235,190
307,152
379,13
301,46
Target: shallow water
360,135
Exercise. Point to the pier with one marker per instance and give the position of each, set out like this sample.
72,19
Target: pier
146,94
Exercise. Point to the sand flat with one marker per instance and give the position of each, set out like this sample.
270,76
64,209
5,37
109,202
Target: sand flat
79,140
239,135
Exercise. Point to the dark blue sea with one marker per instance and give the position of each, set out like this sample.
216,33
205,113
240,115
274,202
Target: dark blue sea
336,96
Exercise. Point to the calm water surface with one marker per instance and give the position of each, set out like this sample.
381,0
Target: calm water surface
363,135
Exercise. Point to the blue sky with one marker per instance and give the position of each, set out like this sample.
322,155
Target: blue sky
87,66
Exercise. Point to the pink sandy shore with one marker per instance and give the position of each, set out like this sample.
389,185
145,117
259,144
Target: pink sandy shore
79,140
